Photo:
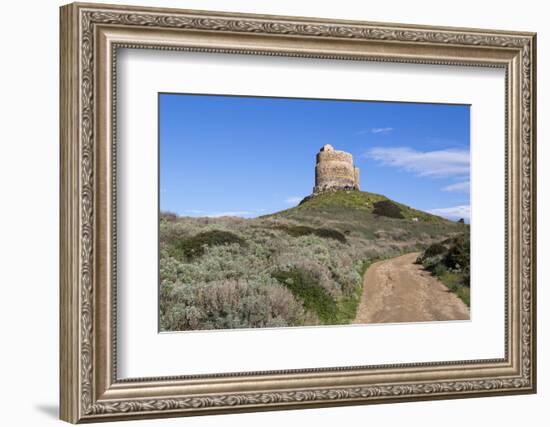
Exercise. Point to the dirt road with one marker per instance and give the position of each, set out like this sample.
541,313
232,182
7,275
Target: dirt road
398,290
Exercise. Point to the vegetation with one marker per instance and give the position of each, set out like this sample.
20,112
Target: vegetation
302,266
357,202
434,250
195,246
306,288
387,208
449,260
304,230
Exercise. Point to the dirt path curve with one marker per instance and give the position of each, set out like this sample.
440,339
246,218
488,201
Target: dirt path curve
398,290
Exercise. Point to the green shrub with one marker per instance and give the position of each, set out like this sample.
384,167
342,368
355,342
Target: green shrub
435,249
430,263
466,276
304,285
168,216
347,308
458,256
387,208
193,247
438,270
228,304
296,230
329,233
304,230
451,264
453,281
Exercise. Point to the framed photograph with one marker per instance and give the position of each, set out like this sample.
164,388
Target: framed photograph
266,212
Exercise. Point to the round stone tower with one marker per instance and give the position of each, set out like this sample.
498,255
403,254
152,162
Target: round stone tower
335,171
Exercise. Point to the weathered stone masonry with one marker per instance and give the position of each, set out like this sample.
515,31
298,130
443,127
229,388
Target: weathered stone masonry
335,171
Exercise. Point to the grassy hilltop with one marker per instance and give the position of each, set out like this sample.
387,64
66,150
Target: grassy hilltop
300,266
365,214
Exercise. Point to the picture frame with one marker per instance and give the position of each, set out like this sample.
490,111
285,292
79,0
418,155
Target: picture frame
91,35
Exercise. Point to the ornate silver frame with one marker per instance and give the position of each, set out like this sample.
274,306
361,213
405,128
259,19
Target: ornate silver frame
90,36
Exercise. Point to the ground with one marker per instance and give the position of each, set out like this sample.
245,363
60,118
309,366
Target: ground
398,290
303,266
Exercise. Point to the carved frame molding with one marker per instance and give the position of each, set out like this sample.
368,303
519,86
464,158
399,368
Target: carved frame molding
90,36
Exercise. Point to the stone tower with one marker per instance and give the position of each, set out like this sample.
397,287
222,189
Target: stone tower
335,171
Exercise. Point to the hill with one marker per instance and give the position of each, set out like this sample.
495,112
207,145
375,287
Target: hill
367,215
298,267
342,202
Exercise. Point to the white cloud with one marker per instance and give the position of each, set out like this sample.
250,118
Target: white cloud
459,187
381,130
454,212
438,163
294,200
374,130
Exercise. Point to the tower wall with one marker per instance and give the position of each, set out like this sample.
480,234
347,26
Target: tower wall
356,177
335,171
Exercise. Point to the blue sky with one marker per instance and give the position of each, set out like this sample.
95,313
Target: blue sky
249,156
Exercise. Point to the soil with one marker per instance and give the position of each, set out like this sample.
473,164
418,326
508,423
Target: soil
398,290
